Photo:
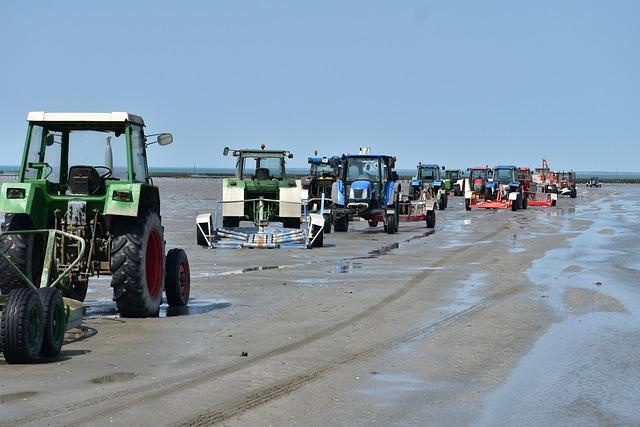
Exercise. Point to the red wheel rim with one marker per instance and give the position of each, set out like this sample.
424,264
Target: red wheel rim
154,264
183,279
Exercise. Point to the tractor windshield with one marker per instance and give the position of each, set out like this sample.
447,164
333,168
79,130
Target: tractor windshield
55,149
262,167
429,172
363,168
524,175
503,176
453,175
478,173
322,169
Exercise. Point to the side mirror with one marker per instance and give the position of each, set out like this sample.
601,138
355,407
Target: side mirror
225,152
50,140
165,139
443,167
290,156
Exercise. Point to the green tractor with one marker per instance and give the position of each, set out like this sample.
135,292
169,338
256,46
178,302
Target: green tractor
261,193
83,206
453,181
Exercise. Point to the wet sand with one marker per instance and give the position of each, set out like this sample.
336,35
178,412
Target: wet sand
496,318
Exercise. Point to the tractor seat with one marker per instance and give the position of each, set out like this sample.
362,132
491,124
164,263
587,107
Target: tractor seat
85,180
262,174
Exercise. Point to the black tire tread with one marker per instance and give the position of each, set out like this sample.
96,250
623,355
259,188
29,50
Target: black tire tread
16,248
127,266
171,284
14,327
49,297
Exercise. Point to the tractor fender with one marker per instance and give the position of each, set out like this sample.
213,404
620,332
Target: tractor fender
467,188
32,202
429,205
129,207
391,193
337,193
290,194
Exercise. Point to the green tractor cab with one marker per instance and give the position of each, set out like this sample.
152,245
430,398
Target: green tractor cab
453,181
260,193
83,206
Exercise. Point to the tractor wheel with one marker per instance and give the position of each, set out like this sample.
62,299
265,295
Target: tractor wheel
177,282
26,252
328,222
341,223
431,219
137,265
441,202
54,321
515,204
525,202
392,226
229,222
21,327
291,223
446,201
467,204
373,223
573,193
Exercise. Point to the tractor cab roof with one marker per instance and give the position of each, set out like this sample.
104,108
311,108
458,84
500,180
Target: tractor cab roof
84,118
258,152
479,168
428,166
505,167
317,160
382,156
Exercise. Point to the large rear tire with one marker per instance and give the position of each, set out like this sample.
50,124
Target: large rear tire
25,251
177,282
137,265
467,204
515,204
21,327
431,219
55,321
442,202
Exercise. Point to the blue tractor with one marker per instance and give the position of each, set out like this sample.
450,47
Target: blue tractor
506,186
429,180
368,188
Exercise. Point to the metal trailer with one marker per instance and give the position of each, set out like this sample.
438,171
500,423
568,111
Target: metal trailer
503,191
261,235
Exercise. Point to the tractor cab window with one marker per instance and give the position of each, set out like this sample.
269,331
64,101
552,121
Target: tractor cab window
91,148
429,173
262,168
322,169
478,173
363,168
35,154
454,175
503,175
138,151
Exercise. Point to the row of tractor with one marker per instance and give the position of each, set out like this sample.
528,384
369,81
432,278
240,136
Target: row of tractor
84,205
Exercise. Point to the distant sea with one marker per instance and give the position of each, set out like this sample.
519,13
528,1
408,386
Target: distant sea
10,170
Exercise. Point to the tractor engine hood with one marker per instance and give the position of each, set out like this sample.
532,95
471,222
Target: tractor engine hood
359,195
360,191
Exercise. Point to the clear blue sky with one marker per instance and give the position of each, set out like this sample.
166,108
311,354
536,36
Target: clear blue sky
453,82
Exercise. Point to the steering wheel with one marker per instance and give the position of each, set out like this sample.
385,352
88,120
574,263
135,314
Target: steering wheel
105,175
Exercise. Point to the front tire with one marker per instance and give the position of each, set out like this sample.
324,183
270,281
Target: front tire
341,223
431,219
137,265
328,222
55,321
21,328
177,283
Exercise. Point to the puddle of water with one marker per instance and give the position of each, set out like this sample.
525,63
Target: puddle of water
12,397
115,377
347,267
392,386
313,282
105,307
